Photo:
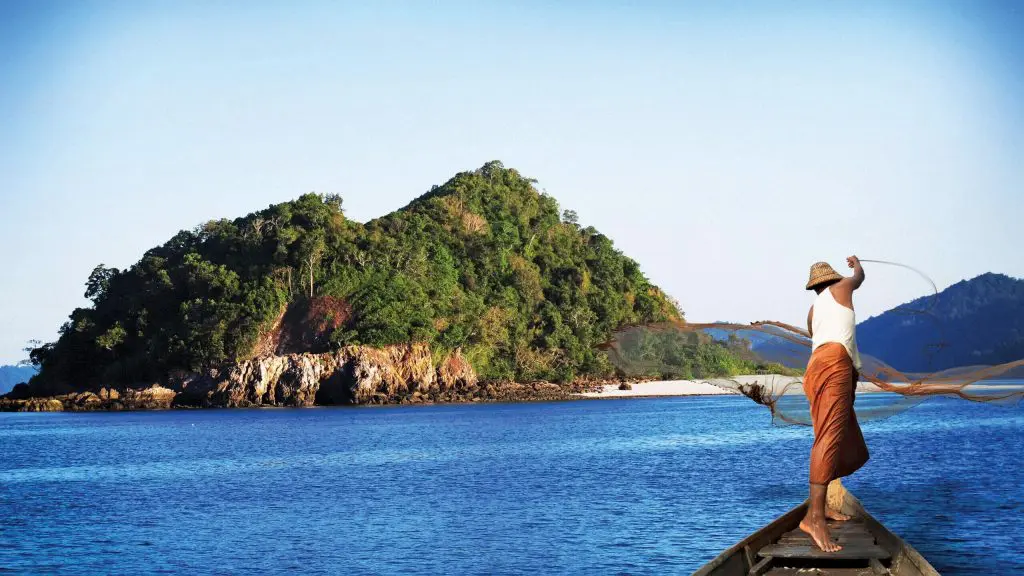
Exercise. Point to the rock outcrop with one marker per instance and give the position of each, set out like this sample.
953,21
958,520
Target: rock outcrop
153,397
353,375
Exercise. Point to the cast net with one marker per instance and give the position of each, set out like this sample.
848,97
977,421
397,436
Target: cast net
765,360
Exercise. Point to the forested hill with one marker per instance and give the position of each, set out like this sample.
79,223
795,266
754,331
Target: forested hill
977,321
484,263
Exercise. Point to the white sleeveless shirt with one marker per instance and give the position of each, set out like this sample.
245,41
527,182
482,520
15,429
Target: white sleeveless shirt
833,322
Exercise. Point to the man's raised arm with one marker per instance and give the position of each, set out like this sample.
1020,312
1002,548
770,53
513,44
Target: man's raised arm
858,272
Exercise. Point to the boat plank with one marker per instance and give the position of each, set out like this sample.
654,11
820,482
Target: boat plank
841,541
820,572
851,526
852,551
861,531
853,533
848,537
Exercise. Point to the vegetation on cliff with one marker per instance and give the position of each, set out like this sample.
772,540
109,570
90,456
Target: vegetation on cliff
484,264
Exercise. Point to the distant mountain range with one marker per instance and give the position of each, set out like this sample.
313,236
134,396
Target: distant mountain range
976,321
11,375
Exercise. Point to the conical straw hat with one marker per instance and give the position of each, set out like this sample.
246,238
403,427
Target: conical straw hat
822,272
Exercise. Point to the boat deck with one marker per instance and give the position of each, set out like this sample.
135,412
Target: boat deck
795,553
782,549
822,572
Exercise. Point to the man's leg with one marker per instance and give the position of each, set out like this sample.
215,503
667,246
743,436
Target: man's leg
814,522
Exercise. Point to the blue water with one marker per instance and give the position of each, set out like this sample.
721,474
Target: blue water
652,486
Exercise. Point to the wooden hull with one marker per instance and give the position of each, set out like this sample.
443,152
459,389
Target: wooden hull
781,549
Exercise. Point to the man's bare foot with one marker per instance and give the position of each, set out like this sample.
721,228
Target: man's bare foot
835,515
818,530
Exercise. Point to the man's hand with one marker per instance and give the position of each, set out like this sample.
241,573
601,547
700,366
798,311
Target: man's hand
858,272
842,291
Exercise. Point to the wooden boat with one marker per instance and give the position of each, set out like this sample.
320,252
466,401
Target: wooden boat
782,549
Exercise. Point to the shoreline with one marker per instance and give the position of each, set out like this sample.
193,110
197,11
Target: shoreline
160,398
157,397
657,389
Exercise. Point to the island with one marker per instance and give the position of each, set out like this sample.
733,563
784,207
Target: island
482,289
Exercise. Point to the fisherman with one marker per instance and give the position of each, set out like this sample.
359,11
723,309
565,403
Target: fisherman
830,383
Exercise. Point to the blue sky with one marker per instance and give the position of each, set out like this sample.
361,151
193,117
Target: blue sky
723,147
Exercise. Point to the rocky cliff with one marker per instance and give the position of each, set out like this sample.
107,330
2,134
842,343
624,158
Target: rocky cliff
405,374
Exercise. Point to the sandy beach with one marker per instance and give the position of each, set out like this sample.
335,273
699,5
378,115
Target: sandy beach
662,388
776,385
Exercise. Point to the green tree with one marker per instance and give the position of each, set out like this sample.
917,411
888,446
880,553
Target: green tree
98,282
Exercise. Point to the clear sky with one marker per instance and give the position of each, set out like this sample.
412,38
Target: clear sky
724,148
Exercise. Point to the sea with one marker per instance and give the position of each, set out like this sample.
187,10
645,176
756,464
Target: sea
627,486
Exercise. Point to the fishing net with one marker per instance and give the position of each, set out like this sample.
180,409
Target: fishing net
765,360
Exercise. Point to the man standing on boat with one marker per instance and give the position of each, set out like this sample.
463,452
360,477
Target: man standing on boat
830,383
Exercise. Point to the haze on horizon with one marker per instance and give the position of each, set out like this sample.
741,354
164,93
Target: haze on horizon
723,148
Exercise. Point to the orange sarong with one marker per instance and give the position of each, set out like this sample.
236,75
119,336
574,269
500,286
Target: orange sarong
829,383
